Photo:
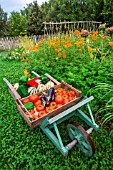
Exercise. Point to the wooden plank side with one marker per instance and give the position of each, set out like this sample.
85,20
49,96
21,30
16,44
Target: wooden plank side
66,112
37,122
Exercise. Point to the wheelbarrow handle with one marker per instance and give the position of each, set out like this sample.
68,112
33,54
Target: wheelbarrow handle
6,81
35,74
13,92
52,79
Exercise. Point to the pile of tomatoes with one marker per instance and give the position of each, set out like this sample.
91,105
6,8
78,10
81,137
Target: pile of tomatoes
61,97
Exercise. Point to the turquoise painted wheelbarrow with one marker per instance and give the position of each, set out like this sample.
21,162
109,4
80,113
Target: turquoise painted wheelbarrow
78,135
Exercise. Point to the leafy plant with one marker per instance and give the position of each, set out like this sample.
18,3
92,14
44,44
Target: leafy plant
16,54
108,109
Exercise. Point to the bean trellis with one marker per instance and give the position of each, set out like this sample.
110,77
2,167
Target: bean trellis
51,28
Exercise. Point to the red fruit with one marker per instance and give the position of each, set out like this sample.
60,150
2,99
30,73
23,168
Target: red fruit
24,101
40,108
53,105
41,113
59,105
39,102
34,98
49,109
65,101
72,93
59,99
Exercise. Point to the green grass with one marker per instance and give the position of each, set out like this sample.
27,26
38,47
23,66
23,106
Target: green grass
27,149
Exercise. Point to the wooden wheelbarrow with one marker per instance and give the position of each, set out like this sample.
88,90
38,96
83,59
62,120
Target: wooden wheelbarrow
78,135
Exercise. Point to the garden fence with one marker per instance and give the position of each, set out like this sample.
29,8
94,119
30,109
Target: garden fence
51,28
8,43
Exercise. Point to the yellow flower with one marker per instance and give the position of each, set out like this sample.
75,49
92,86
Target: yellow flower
91,55
35,48
82,31
95,32
80,50
89,48
56,58
94,38
111,43
82,46
76,32
21,59
26,72
64,56
95,50
57,50
59,54
64,51
79,42
27,59
67,44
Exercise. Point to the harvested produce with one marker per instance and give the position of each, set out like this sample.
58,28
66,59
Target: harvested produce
34,82
29,105
23,79
49,84
16,86
22,90
34,98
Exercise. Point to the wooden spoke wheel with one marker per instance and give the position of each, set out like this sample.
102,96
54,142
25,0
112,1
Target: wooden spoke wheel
84,141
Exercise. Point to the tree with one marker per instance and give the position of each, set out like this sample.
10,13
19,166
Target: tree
17,24
3,20
35,16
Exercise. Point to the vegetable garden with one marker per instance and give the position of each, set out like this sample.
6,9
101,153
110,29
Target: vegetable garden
85,62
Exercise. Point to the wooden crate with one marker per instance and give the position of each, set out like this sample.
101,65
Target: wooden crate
37,122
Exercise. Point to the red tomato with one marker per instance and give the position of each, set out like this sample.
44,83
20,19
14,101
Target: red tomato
39,102
59,105
53,105
31,111
24,101
58,99
64,92
60,89
35,115
49,109
72,93
65,96
71,98
41,113
34,98
40,108
65,101
58,93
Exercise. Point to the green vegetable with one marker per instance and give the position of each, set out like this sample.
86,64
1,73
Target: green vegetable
23,79
29,105
44,79
22,90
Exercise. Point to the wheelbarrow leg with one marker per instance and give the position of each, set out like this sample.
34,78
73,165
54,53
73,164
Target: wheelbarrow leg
57,141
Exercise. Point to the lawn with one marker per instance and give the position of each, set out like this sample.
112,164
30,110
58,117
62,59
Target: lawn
24,148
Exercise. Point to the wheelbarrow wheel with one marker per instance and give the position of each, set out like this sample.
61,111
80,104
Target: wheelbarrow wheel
84,141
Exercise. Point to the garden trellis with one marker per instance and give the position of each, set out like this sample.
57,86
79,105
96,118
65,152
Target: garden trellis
51,28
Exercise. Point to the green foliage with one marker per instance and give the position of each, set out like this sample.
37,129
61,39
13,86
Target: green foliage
35,22
3,20
108,108
16,54
23,148
17,24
